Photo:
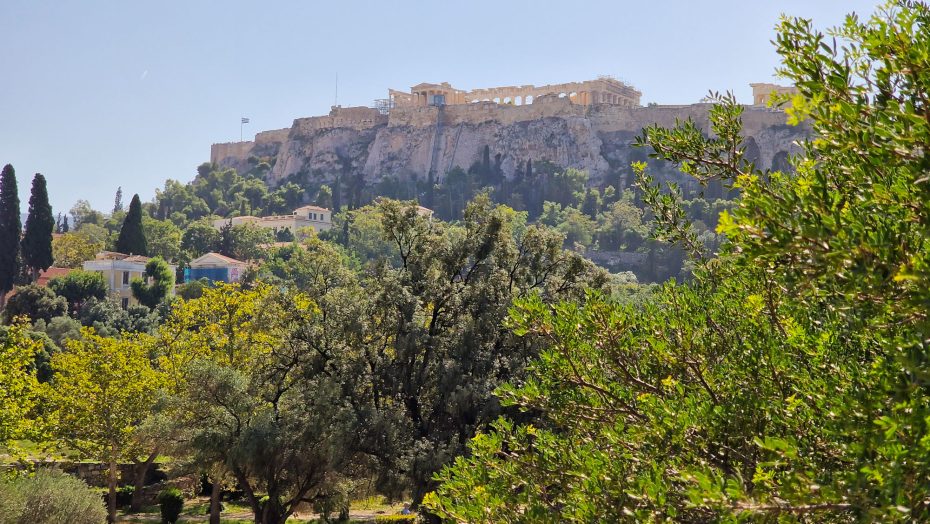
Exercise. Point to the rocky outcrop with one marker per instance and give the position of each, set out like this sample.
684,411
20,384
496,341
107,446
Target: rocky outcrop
415,141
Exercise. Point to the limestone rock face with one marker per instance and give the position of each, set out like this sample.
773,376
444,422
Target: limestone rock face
415,141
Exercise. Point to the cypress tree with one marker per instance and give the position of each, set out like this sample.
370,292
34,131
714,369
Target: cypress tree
37,241
118,200
65,227
131,237
10,230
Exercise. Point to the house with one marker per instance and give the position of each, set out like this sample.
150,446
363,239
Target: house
118,270
314,217
215,268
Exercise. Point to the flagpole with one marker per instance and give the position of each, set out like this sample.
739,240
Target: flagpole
242,121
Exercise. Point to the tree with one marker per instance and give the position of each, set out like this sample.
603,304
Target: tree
781,384
102,391
37,240
10,230
150,295
78,286
131,236
34,302
162,238
255,398
72,249
109,319
200,238
435,344
18,383
118,200
324,197
83,213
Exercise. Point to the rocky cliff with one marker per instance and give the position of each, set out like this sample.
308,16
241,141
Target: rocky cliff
416,141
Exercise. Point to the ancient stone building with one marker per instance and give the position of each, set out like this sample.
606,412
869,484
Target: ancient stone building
761,93
603,90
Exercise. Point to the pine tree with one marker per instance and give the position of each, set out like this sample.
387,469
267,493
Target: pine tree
118,201
37,241
131,236
10,230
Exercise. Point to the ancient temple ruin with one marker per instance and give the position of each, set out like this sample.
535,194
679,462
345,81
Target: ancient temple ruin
603,90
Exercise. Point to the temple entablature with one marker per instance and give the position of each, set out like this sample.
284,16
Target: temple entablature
603,90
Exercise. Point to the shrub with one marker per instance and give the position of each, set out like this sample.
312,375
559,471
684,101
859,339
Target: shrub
393,519
124,495
49,497
171,502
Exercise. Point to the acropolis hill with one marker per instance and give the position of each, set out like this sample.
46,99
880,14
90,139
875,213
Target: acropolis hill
434,128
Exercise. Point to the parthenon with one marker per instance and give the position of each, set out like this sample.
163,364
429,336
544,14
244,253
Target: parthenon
603,90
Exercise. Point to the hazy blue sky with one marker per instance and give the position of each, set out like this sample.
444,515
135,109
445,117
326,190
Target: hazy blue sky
97,95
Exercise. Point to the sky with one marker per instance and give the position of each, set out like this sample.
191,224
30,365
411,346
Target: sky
101,94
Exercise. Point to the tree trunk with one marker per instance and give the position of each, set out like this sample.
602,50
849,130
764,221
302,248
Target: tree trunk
111,497
215,495
139,482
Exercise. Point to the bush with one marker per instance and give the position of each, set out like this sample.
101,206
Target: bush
393,519
124,495
49,497
171,502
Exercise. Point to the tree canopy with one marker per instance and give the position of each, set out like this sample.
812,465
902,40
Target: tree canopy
784,383
132,235
37,239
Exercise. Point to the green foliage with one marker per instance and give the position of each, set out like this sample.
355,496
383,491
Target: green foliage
34,302
78,286
244,242
131,238
37,240
162,285
170,504
258,398
108,319
782,385
18,383
49,497
83,215
200,238
10,229
124,495
387,519
102,391
193,289
72,249
162,237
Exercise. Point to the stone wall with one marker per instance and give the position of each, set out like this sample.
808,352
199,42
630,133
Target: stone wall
358,118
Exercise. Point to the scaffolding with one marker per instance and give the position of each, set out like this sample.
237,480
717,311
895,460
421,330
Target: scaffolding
383,105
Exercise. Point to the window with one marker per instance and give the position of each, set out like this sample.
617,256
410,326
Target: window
125,301
125,278
313,216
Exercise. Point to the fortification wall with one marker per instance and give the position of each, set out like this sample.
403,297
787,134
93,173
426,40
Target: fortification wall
275,136
357,118
480,112
230,152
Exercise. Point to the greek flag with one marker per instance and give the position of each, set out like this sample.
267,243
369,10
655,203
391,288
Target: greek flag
245,120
